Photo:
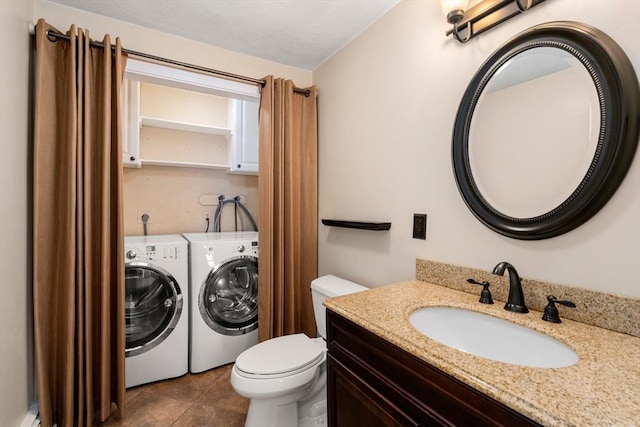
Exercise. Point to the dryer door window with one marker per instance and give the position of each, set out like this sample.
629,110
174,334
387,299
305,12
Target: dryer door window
228,299
153,306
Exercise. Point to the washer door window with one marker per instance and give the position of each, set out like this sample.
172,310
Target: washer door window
228,299
152,307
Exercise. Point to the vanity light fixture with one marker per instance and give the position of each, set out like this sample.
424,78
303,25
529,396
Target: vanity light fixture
481,17
454,10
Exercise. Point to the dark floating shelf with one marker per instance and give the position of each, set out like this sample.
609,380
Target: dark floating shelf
375,226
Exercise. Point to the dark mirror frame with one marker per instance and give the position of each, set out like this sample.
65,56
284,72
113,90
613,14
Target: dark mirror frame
617,86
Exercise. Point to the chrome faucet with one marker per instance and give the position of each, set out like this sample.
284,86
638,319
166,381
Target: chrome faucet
515,301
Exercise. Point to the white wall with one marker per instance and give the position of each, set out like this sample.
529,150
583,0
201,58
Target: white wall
387,105
15,352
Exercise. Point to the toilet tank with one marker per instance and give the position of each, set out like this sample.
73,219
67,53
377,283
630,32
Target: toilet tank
327,287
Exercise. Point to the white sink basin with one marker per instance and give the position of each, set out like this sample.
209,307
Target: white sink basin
492,338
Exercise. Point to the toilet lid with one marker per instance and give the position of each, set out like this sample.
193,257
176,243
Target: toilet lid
280,355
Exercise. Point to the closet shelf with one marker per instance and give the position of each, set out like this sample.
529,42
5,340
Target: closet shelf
173,163
184,126
375,226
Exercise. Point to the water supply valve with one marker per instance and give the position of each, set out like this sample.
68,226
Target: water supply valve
551,311
485,295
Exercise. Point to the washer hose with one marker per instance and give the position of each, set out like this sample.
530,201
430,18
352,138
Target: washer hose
238,214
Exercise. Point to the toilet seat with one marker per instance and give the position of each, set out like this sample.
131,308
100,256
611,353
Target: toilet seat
280,357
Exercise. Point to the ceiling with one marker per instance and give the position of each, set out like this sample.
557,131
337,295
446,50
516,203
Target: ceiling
299,33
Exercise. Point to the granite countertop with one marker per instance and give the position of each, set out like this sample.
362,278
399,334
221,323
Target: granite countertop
602,388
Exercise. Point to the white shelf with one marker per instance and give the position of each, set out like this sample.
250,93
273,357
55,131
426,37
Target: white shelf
183,126
238,154
151,162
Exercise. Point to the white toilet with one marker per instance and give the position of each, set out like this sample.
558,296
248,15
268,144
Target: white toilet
285,377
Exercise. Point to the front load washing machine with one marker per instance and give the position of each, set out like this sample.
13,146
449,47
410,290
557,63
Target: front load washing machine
156,314
223,283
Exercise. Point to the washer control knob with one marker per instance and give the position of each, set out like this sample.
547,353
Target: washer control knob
241,248
131,254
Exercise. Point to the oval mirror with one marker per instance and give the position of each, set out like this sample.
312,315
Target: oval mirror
546,130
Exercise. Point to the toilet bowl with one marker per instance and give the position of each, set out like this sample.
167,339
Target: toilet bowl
285,377
279,375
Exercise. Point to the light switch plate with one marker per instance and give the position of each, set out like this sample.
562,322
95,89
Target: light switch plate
420,226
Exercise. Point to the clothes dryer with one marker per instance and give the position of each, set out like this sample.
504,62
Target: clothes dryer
223,284
156,311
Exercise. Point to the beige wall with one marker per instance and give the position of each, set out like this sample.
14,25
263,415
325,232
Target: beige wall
171,198
388,101
15,350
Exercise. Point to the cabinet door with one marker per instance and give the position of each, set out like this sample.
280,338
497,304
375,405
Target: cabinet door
245,137
131,124
353,402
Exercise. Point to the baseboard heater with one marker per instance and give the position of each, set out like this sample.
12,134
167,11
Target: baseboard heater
32,418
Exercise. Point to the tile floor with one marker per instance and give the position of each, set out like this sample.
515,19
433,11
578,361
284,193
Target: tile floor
193,400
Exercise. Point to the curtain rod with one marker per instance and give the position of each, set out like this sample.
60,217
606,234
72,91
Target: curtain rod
53,36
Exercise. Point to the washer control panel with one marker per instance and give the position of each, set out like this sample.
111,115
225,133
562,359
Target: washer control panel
153,252
244,247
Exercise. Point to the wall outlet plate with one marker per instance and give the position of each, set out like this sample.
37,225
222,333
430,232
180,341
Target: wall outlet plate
420,226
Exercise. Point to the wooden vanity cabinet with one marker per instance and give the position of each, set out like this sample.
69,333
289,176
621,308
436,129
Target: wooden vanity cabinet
371,382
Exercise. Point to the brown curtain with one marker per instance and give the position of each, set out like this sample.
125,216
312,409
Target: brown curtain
288,222
78,271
